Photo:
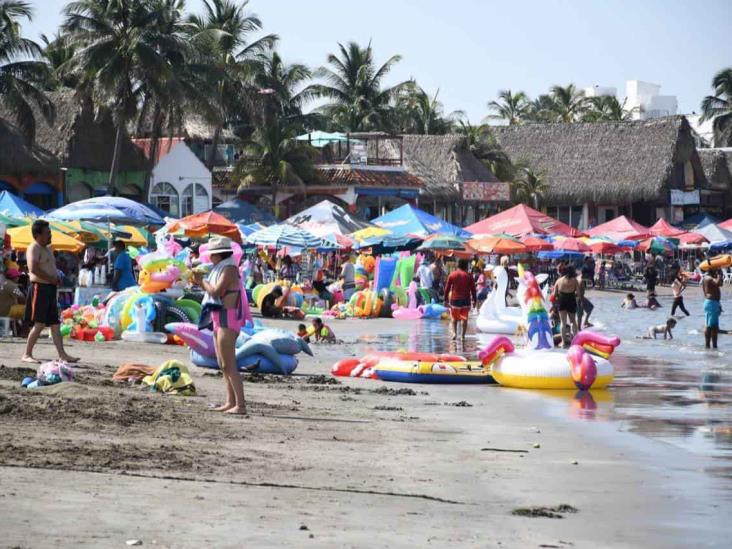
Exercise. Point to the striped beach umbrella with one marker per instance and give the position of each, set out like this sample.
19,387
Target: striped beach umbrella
284,235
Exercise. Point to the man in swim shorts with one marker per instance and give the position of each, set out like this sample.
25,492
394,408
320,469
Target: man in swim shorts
42,305
712,306
460,295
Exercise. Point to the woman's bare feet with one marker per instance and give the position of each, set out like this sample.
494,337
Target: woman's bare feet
237,410
68,358
30,360
223,407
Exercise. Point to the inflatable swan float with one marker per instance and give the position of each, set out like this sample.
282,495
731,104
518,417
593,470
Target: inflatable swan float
494,316
540,366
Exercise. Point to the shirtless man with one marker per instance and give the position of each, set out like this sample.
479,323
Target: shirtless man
42,304
712,306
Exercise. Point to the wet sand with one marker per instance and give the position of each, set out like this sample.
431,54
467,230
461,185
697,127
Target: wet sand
332,463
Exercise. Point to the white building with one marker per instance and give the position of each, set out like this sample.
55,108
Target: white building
180,183
643,99
646,101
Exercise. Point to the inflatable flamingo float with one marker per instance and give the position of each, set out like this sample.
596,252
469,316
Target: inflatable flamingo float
411,311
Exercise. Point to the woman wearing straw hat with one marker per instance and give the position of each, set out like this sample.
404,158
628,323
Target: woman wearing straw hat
222,307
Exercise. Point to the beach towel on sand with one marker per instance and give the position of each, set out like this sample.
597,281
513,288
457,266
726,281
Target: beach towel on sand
171,377
133,373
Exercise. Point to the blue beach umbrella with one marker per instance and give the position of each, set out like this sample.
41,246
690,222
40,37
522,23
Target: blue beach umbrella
15,206
284,235
408,220
108,209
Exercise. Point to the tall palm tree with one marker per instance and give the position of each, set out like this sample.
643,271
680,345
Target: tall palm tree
568,103
718,107
354,85
58,51
281,88
512,107
529,186
118,55
481,141
541,109
221,36
419,113
273,157
607,108
23,76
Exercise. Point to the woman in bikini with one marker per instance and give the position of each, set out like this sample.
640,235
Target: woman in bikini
224,302
565,292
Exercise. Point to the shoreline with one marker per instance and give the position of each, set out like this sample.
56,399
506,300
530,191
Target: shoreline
357,462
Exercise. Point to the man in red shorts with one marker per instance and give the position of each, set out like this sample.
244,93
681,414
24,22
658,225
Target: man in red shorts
460,296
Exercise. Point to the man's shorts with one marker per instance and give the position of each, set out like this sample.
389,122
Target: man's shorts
42,304
712,310
460,309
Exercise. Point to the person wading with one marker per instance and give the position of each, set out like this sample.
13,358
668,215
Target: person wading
712,306
460,295
223,306
42,305
565,292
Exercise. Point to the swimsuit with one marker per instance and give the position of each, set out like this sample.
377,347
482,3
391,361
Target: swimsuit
712,310
567,302
231,319
42,304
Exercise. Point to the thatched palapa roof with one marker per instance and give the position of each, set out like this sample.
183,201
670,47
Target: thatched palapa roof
717,164
443,162
82,137
192,126
604,162
19,159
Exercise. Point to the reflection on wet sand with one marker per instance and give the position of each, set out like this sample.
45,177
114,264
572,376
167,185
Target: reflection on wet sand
671,390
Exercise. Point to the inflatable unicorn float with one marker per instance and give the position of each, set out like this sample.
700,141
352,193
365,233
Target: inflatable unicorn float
540,366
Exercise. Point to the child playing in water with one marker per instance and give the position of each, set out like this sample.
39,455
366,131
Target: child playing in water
302,331
323,333
629,302
652,302
664,329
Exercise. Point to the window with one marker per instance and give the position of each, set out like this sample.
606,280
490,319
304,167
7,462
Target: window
193,204
165,197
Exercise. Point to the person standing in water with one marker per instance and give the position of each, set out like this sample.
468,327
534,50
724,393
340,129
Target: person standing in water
565,292
223,305
460,295
42,304
712,306
677,287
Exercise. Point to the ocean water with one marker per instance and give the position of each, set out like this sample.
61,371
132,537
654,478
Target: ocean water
674,391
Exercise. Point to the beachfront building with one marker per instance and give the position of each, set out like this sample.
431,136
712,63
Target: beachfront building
180,184
82,139
456,185
217,150
647,170
370,174
28,170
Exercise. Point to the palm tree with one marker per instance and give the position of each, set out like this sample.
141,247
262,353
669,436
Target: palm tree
718,107
118,55
483,144
221,36
541,109
568,103
353,84
23,76
272,156
512,107
419,113
58,51
281,86
529,187
606,108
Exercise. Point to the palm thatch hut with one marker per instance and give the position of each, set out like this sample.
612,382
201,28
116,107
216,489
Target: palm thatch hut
597,171
25,169
717,164
82,138
456,184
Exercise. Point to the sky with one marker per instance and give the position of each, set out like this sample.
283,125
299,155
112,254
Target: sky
471,49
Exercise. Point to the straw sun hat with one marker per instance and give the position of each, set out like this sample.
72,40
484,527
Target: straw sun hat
219,245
